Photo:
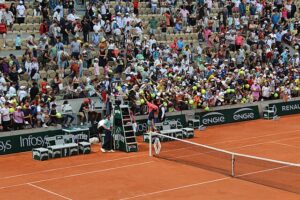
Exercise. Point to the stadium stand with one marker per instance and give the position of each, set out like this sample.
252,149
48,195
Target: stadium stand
176,54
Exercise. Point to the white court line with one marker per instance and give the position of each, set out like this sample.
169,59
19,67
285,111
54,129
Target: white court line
48,191
78,174
203,183
73,166
272,141
249,138
176,188
286,145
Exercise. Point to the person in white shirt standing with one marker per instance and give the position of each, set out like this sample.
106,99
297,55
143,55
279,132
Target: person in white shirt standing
9,17
12,92
56,15
266,91
5,117
21,13
3,84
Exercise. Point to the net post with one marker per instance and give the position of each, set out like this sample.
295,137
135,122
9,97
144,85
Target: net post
232,165
150,143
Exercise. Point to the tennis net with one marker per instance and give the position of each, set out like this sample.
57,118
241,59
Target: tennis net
272,173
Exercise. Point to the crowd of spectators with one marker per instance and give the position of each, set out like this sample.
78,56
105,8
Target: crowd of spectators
245,51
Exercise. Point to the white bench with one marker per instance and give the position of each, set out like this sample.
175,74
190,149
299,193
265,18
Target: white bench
170,129
61,145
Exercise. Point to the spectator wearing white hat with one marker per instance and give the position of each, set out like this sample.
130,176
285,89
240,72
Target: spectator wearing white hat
21,12
22,93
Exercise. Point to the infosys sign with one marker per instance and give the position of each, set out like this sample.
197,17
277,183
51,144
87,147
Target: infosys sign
26,142
229,115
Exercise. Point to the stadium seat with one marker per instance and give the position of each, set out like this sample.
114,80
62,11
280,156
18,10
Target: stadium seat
25,77
91,71
29,12
29,19
23,83
30,28
92,77
16,28
85,72
43,74
10,44
36,19
67,71
23,28
36,27
51,74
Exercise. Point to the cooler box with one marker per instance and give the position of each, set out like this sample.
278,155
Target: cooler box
188,132
193,123
40,154
132,148
84,147
269,112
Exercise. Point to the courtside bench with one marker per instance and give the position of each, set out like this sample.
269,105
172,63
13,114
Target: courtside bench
61,146
171,129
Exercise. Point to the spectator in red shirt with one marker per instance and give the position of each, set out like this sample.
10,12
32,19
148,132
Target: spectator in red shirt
3,31
136,7
239,41
44,83
152,109
44,28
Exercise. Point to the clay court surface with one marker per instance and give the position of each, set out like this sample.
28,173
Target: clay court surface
137,176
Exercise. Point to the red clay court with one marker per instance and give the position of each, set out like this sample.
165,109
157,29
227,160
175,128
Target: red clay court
137,176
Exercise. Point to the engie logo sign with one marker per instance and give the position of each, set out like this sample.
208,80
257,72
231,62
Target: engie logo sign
229,115
213,118
243,114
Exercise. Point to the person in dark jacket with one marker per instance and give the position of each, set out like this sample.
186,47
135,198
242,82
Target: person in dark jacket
34,91
85,29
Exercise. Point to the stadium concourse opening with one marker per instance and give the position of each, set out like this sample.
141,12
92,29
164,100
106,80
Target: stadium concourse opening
138,176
